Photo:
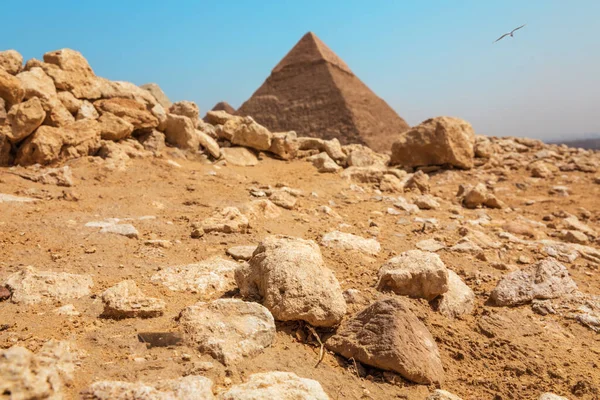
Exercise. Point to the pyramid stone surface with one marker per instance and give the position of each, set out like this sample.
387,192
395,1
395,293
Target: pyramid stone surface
313,92
224,106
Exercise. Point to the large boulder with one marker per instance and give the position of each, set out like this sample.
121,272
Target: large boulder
24,118
275,385
130,110
126,300
11,88
290,277
191,387
436,141
70,71
228,329
180,131
389,336
284,144
547,279
239,156
11,61
114,128
244,131
209,144
158,94
414,273
186,108
30,286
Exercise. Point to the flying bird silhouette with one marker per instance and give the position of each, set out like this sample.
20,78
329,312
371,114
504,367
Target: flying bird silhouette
510,33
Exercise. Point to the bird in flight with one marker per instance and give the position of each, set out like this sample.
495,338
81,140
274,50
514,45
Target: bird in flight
510,33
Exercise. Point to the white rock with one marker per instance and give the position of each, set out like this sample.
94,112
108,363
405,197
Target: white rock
347,241
127,230
551,396
9,198
458,300
439,394
190,387
276,385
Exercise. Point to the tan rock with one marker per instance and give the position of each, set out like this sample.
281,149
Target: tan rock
244,131
126,300
275,385
324,163
291,278
114,128
5,147
209,144
239,156
458,300
158,94
181,132
191,387
153,141
419,181
284,144
130,110
71,103
229,220
11,61
262,208
349,242
389,336
390,183
219,117
283,199
87,111
24,118
477,196
70,71
161,115
186,108
11,88
436,141
127,90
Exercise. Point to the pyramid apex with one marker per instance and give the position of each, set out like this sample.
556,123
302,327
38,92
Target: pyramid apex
311,49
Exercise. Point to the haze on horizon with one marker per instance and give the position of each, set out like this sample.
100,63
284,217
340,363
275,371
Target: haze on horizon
424,58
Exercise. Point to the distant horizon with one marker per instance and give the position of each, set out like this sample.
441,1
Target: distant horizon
424,60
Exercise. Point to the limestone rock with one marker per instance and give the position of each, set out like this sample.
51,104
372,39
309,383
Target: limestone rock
551,396
126,300
241,252
414,273
181,132
30,286
284,144
324,163
87,111
158,94
262,208
228,329
290,276
547,279
218,117
6,157
130,110
11,61
332,147
239,156
161,115
191,387
11,88
153,141
229,220
70,71
439,394
426,202
185,108
9,198
72,103
389,336
391,183
458,300
347,241
246,132
210,278
209,144
477,196
24,118
419,181
575,237
431,245
283,200
276,385
114,128
436,141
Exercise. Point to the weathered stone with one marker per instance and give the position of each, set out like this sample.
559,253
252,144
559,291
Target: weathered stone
158,94
551,396
210,279
11,88
30,286
283,200
11,61
153,141
439,394
229,220
209,144
419,181
404,205
6,156
574,223
185,108
87,111
191,387
262,208
127,230
458,300
239,156
547,279
414,273
431,245
130,110
72,103
347,241
218,117
332,147
126,300
389,336
181,132
436,141
70,71
114,128
426,202
228,329
9,198
324,163
244,131
575,237
275,385
241,252
477,196
372,174
24,118
284,144
290,276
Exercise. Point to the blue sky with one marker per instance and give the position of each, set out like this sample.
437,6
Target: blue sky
425,58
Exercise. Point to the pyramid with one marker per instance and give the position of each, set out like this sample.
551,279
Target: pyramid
224,106
313,92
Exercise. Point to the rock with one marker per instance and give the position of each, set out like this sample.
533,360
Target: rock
11,88
465,245
574,223
218,117
239,156
241,252
390,183
25,375
347,241
562,191
114,128
70,102
229,220
209,144
575,237
389,336
11,61
24,118
483,147
477,196
87,111
130,110
6,156
426,202
290,276
244,131
324,163
263,208
362,156
332,147
228,329
275,385
127,90
414,273
37,83
161,115
551,396
436,141
439,394
186,108
62,176
181,132
419,180
547,279
68,310
458,300
9,198
30,286
431,245
71,72
126,300
541,170
404,205
127,230
191,387
158,94
210,279
284,144
153,141
283,200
